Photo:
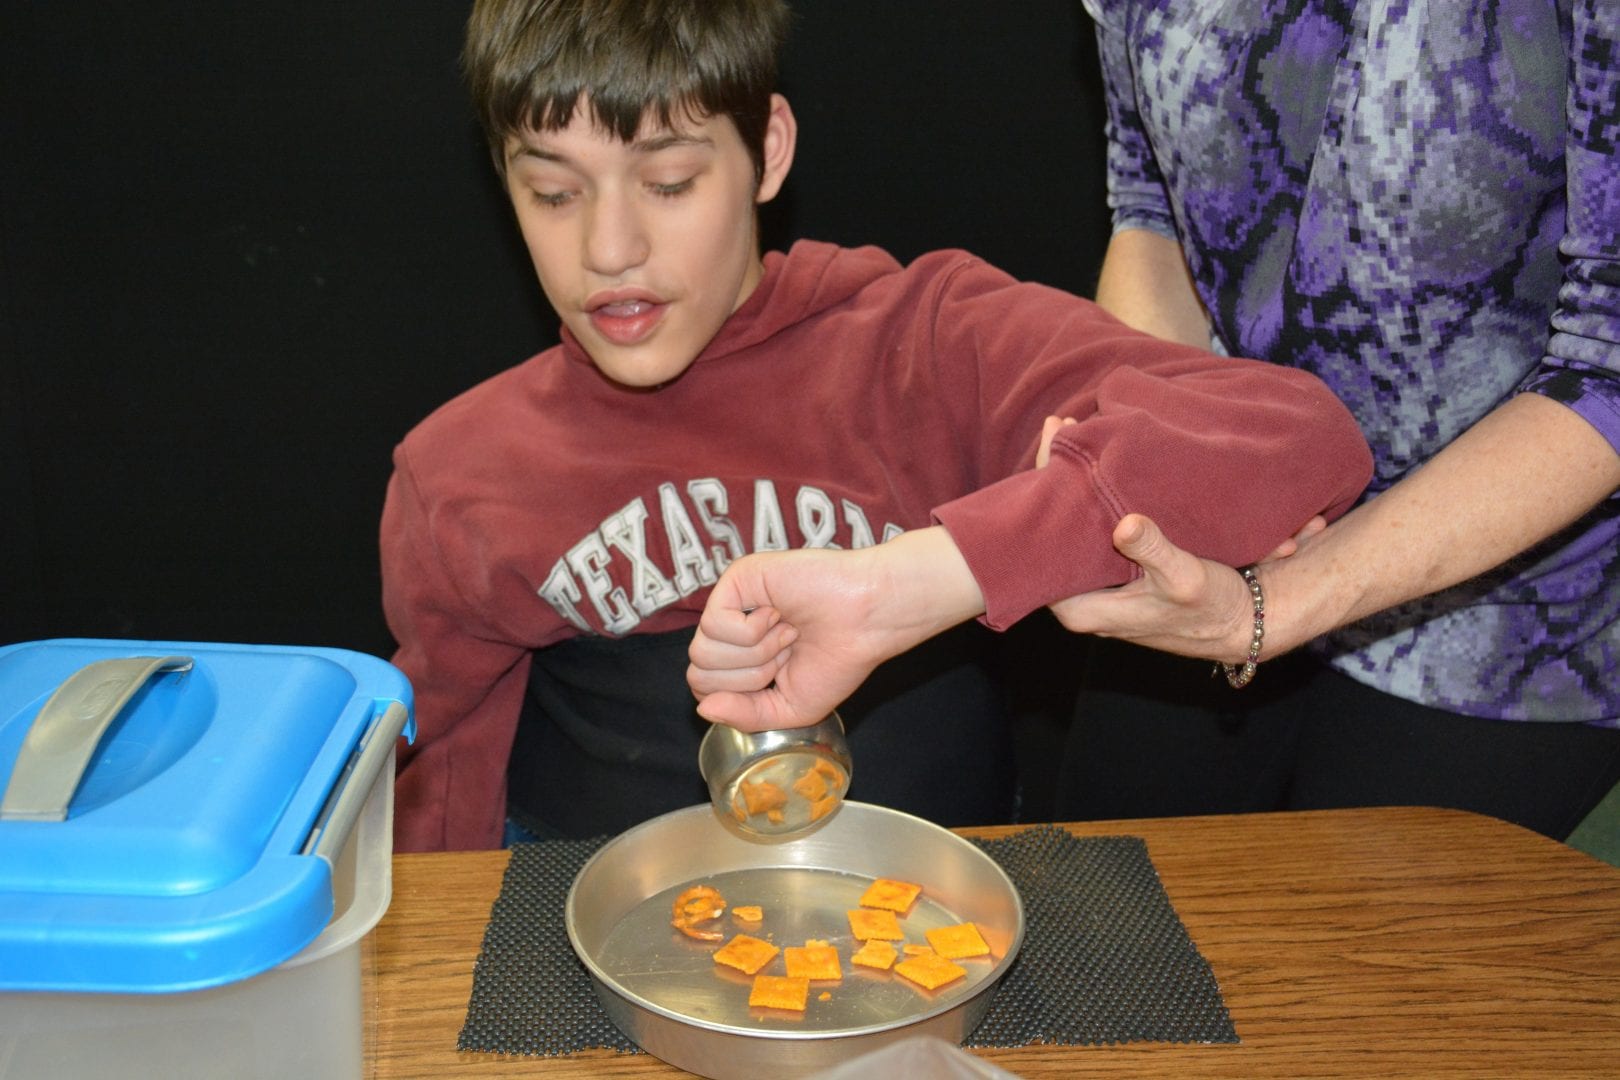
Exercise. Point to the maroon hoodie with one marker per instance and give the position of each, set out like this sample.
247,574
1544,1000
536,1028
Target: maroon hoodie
848,399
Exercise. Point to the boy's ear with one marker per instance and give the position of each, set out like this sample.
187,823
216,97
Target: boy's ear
781,135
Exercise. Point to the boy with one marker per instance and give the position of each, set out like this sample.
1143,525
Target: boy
551,535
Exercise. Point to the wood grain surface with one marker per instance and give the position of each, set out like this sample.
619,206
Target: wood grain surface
1347,943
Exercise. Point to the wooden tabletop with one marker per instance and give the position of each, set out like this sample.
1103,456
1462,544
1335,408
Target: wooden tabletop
1354,943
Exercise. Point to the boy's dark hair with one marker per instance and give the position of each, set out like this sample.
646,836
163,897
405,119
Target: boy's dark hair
528,62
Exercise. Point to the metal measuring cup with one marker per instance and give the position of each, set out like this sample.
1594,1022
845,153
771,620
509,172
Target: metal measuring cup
772,785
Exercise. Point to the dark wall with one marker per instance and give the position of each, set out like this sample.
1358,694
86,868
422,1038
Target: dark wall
245,246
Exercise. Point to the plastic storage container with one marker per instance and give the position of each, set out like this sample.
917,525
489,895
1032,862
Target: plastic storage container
202,905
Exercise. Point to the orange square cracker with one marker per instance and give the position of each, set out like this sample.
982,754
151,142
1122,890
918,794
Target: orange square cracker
811,784
895,896
779,992
762,797
929,971
746,954
869,923
955,942
835,776
813,962
876,954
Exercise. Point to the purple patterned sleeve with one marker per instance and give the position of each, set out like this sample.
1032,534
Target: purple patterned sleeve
1582,366
1136,191
1418,201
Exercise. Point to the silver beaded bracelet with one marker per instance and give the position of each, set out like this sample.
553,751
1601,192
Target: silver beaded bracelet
1239,675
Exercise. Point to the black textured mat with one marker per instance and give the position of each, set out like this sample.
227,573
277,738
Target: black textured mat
1105,959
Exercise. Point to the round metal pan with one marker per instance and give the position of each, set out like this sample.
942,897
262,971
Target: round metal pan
664,991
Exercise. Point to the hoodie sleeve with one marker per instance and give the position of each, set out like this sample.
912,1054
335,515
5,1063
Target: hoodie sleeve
1229,456
468,679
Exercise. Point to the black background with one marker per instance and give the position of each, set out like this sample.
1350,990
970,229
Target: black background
245,246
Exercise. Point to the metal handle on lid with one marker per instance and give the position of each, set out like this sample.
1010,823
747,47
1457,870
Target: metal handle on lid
63,737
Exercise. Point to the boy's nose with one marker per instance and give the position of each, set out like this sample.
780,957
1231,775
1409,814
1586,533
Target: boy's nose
615,240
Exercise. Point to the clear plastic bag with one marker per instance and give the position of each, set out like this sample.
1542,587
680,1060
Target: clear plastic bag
923,1057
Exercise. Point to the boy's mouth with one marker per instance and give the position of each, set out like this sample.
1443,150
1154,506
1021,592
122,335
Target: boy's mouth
626,321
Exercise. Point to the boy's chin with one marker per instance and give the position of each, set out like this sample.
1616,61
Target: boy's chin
642,374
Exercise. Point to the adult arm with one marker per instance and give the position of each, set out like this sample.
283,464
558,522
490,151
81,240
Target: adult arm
1534,465
1144,280
1522,473
1145,284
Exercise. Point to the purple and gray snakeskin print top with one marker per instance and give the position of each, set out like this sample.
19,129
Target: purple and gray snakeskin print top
1419,201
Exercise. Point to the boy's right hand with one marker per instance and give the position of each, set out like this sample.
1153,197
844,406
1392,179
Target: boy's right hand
787,636
752,665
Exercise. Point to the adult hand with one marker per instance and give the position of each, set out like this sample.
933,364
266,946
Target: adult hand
1182,603
787,636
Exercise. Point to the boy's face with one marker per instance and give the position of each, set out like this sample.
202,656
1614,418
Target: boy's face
645,248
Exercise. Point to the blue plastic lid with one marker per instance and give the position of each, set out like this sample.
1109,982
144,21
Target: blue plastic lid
181,862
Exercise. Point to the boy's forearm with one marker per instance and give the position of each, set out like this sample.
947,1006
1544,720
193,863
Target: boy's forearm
1180,437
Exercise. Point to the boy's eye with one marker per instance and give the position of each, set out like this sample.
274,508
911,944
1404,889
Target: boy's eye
669,191
553,198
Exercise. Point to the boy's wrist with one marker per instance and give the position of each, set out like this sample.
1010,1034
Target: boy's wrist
925,584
